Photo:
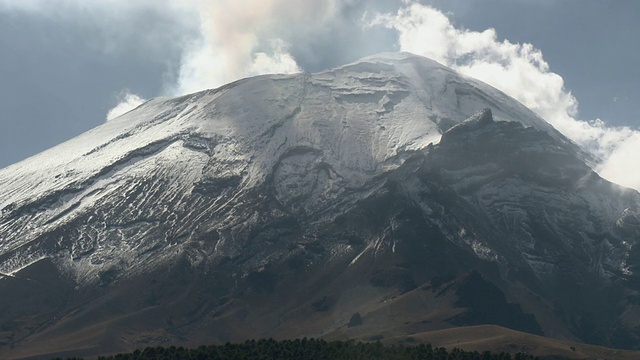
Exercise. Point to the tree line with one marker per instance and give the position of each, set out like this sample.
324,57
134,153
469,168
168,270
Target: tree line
312,349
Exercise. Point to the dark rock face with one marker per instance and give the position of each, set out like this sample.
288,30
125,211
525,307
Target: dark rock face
486,304
193,238
356,320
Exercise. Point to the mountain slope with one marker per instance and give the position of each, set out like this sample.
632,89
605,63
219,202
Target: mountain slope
258,208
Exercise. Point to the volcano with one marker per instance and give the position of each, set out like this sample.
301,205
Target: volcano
381,199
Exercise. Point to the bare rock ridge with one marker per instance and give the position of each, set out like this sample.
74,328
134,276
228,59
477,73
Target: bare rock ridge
283,205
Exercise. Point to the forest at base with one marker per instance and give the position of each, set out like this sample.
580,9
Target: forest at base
312,349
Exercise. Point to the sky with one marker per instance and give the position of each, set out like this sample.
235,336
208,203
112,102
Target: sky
67,66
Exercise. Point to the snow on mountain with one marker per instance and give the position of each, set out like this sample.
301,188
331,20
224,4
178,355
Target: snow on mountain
370,110
388,165
318,136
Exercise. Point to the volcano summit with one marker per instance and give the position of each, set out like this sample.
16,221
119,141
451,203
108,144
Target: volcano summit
387,197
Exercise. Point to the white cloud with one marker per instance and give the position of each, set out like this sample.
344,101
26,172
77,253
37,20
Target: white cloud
127,102
520,71
279,62
517,69
622,162
241,38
